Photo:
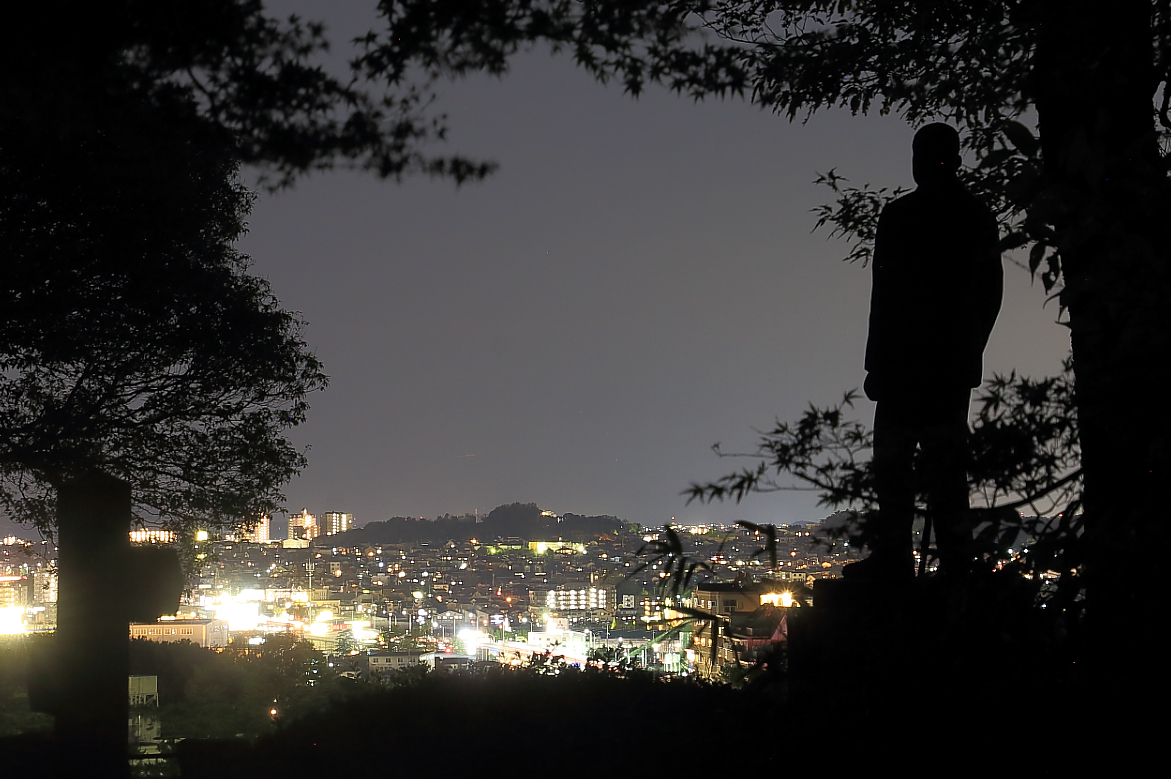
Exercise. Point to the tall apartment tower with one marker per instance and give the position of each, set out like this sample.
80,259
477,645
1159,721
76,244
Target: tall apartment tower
261,533
336,522
303,526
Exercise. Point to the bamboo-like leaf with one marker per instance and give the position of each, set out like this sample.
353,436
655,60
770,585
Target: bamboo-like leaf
1021,138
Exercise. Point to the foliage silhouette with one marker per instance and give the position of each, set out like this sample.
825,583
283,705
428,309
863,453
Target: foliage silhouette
612,659
1024,443
15,714
202,693
230,694
254,81
670,554
135,342
1025,453
582,721
1029,586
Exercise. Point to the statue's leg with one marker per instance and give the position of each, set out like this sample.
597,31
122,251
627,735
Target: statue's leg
945,463
895,438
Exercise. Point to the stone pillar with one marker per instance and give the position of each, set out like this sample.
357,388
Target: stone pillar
92,653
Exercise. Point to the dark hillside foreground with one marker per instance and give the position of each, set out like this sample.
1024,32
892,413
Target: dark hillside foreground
594,724
892,699
575,724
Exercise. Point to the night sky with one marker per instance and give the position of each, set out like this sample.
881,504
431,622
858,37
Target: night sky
638,281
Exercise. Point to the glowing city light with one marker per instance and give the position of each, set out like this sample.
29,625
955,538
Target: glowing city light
11,620
361,632
782,599
240,615
471,639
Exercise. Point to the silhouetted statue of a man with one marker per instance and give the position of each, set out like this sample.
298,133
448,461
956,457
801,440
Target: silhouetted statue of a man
937,288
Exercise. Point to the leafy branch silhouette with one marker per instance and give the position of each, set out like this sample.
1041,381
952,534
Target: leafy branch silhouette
1024,456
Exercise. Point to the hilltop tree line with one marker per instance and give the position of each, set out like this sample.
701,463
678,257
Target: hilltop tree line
519,520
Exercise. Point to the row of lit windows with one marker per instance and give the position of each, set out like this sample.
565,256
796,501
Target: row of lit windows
562,599
394,660
162,631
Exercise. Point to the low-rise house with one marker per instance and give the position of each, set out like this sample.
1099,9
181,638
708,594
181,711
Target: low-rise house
207,633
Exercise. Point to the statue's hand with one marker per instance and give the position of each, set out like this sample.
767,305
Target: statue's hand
871,387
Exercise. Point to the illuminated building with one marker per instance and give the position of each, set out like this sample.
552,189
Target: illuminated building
201,632
336,522
13,591
722,598
571,645
152,535
580,598
303,526
45,585
700,653
755,621
440,661
653,608
562,548
385,662
261,532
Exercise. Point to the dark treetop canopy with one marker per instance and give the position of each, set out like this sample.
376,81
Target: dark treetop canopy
132,339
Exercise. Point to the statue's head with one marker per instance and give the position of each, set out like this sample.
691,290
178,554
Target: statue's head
936,154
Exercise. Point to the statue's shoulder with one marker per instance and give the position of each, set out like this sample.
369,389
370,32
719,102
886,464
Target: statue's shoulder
903,206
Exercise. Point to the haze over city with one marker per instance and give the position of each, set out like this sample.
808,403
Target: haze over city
637,282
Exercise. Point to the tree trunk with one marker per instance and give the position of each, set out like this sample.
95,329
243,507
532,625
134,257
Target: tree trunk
1108,199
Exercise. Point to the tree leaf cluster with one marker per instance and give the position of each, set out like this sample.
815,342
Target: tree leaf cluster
1024,445
1024,471
824,450
230,694
976,64
133,339
259,82
15,715
613,659
669,556
630,43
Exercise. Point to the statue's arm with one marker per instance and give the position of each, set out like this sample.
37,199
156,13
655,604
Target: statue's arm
990,278
877,339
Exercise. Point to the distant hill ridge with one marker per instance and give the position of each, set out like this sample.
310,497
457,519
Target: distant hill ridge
520,520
